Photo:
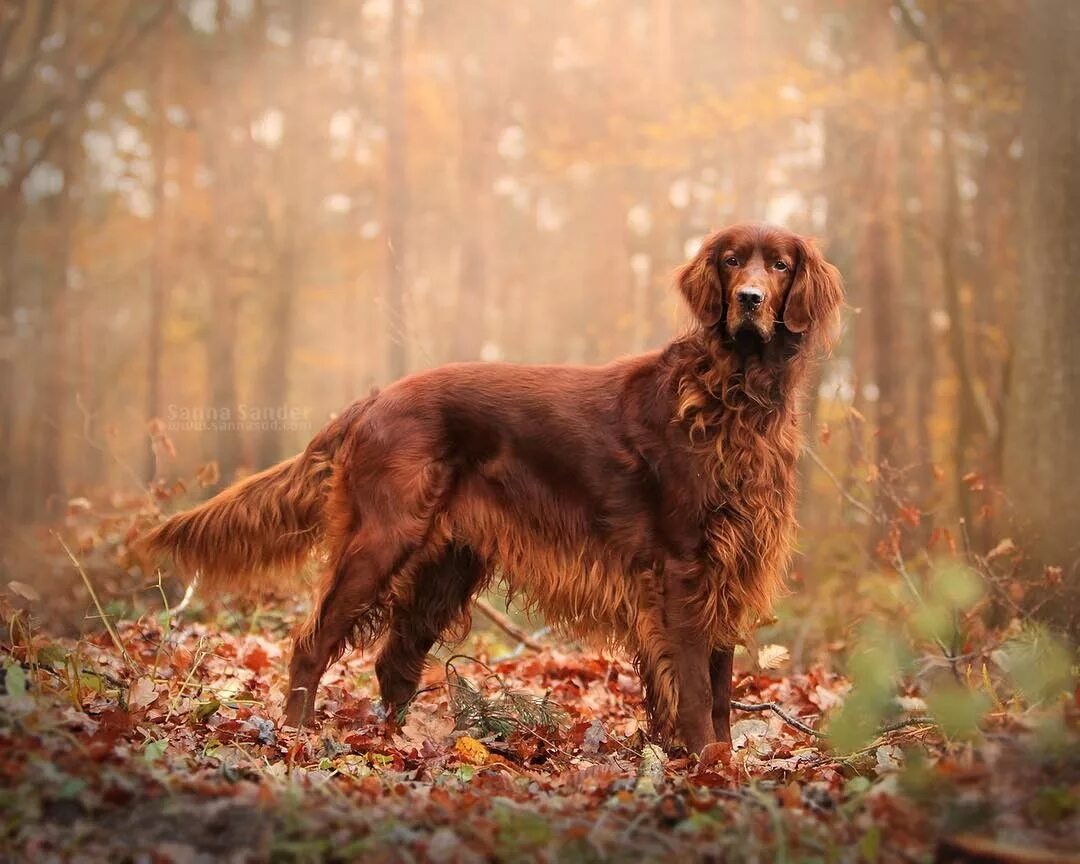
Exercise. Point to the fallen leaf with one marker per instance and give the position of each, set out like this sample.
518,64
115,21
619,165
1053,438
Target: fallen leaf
889,757
773,656
470,750
714,754
143,692
744,730
650,776
1005,547
422,726
154,750
23,590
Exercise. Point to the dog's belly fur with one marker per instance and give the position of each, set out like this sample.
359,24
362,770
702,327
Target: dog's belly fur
591,593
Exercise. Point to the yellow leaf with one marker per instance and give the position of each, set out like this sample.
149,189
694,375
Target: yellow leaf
470,750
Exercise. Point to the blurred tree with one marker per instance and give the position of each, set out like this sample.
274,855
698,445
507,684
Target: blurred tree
1042,459
974,413
50,393
473,67
397,194
222,235
160,254
288,232
37,104
880,252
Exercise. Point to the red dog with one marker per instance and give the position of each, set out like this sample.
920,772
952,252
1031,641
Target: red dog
648,503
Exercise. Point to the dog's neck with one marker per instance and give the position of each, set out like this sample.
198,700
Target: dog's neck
713,375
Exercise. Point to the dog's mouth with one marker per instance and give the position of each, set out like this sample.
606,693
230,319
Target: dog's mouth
748,337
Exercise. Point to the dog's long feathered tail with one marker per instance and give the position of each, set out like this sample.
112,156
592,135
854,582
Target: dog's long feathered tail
257,531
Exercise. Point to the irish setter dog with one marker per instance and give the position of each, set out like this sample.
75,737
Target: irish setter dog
648,503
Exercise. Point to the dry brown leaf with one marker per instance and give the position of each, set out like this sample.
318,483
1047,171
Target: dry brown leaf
23,590
772,656
1005,547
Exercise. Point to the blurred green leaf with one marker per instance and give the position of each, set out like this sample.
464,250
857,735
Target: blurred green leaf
15,681
933,621
957,709
206,709
870,845
521,828
71,787
856,723
956,587
51,655
874,667
1039,664
154,750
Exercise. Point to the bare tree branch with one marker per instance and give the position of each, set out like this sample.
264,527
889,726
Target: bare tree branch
117,51
12,88
47,106
14,12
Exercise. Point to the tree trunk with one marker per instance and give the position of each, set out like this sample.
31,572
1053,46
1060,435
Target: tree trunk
474,182
155,342
9,223
223,326
885,322
396,195
284,282
1042,459
52,389
920,185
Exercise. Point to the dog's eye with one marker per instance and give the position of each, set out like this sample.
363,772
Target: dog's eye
731,261
780,265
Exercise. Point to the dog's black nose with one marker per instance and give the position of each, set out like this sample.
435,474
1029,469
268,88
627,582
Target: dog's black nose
750,298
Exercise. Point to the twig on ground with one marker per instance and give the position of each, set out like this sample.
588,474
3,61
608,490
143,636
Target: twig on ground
508,627
794,722
923,720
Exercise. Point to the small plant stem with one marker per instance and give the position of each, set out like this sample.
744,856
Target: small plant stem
97,603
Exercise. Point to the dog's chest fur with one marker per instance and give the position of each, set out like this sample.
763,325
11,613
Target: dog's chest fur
744,433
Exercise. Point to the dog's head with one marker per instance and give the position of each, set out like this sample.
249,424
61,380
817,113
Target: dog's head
751,284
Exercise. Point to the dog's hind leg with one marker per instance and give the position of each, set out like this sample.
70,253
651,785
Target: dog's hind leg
354,588
395,526
439,593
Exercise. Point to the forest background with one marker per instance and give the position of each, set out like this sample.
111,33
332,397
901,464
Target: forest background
223,220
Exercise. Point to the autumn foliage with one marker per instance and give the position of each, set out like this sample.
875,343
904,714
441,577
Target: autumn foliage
220,222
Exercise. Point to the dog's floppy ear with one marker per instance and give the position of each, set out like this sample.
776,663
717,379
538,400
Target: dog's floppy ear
816,293
699,283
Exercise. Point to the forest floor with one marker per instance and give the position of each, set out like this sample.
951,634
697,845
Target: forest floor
156,742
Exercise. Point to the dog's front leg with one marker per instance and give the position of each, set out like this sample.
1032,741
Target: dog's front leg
720,677
691,654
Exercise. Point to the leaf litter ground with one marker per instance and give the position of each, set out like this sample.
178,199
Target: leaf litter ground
173,749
